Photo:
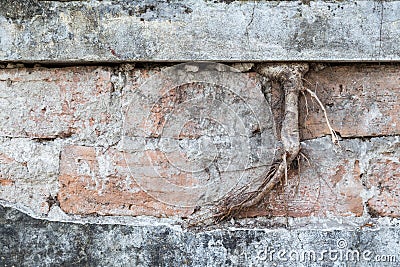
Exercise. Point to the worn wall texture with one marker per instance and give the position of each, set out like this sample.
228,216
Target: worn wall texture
106,149
152,30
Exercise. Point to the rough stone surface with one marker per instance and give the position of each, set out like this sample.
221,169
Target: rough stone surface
117,31
25,241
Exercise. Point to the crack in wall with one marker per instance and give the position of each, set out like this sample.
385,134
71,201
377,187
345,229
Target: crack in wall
250,22
380,27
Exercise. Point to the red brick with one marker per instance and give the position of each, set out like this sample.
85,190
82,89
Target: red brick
44,103
5,182
86,188
361,100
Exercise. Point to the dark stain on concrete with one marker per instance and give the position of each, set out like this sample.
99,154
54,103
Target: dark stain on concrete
20,9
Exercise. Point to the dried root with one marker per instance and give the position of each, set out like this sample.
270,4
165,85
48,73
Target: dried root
290,78
334,136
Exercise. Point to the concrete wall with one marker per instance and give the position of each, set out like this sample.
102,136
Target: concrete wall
106,149
117,31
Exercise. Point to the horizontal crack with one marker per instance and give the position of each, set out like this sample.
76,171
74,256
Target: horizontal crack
365,137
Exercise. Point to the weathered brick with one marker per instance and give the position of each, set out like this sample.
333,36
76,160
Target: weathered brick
360,100
319,184
94,181
383,178
111,182
28,173
46,103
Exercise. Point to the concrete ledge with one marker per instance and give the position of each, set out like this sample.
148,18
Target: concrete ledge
25,241
120,31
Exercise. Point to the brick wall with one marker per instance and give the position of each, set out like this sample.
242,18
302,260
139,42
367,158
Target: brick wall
62,144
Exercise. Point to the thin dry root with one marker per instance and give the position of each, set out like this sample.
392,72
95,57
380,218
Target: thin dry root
284,162
334,136
305,98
